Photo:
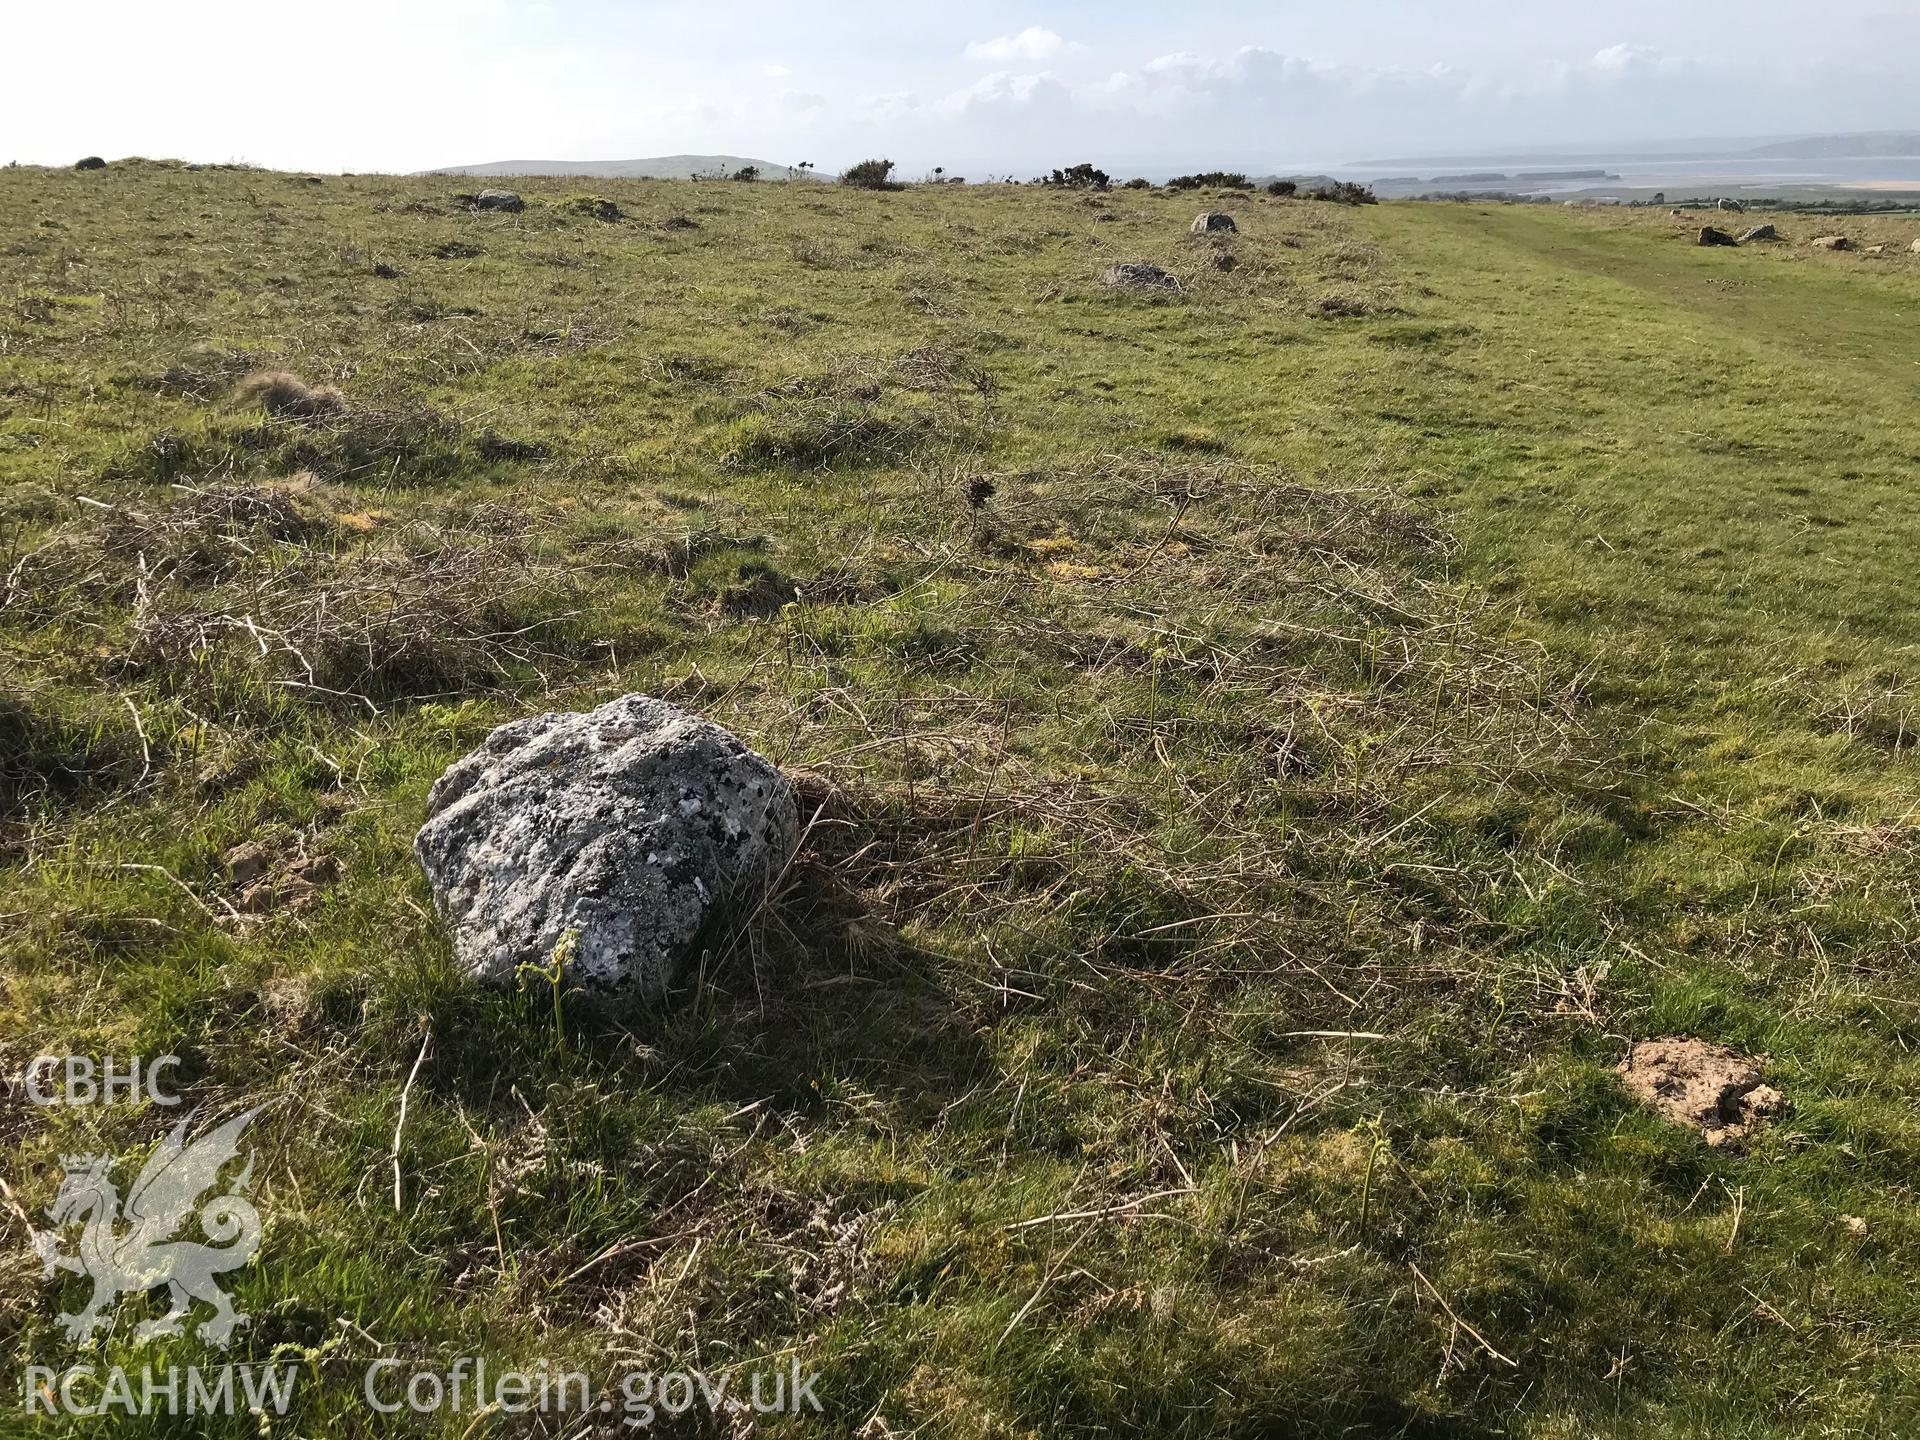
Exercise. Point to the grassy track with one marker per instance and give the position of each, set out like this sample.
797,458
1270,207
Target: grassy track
1271,746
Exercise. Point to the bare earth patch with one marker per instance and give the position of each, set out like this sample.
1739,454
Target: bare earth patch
265,878
1705,1087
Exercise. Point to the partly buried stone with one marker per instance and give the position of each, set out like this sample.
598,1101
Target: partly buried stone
277,876
1138,275
1711,236
628,828
498,200
1211,220
1708,1088
1832,242
1759,232
1915,247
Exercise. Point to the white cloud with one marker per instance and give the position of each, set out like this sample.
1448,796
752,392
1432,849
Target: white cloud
1036,42
1614,59
800,102
889,109
1003,88
1618,60
1253,77
1256,107
775,72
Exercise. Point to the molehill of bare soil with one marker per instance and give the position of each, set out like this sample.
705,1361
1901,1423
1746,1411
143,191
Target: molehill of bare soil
1708,1088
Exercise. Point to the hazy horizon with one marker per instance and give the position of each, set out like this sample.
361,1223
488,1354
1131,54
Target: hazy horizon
994,89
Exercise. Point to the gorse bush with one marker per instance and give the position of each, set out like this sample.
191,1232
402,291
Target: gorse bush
870,175
1079,177
1211,180
1345,192
1282,187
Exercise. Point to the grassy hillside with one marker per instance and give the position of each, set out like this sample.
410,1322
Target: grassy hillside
1269,747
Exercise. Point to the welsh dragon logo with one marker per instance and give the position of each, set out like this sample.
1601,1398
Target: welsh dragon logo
130,1247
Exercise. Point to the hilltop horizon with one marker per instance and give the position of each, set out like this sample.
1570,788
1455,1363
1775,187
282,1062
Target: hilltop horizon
1809,146
655,167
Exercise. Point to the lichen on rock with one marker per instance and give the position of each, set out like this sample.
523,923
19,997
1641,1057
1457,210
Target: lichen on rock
629,828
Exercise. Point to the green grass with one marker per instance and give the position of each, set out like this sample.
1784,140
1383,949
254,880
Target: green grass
1386,677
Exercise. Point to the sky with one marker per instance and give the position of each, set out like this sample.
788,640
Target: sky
982,89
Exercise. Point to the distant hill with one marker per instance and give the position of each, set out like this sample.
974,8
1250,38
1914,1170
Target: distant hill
1842,147
657,167
1484,177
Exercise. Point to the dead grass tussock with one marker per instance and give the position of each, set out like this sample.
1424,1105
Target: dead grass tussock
292,586
286,396
861,411
204,375
1882,714
816,255
938,367
825,434
202,536
387,623
1351,305
400,444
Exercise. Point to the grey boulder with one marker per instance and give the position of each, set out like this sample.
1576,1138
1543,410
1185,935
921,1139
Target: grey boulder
628,828
1760,232
1210,221
498,200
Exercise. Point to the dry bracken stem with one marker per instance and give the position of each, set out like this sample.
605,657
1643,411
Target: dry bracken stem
406,1094
1441,1301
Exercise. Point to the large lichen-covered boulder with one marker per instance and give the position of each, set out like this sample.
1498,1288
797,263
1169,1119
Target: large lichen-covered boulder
505,200
612,837
1211,220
